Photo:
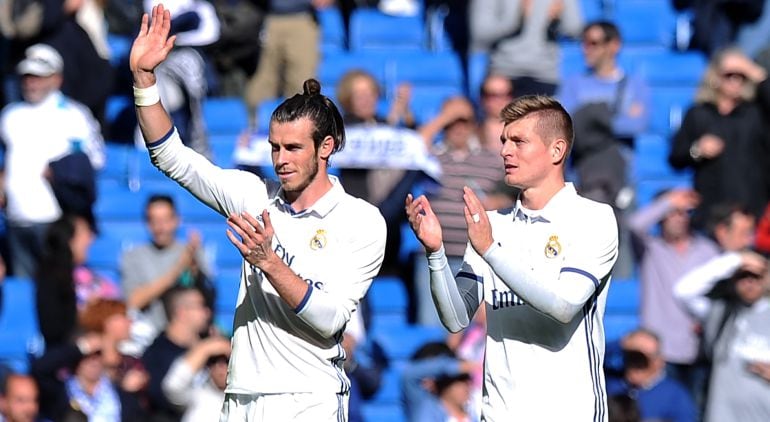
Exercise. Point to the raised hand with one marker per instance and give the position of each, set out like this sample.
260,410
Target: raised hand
424,222
479,229
152,44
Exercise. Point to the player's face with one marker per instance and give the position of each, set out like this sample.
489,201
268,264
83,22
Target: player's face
162,222
527,158
20,402
295,158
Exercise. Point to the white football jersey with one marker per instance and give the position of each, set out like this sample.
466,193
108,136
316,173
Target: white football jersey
538,368
336,246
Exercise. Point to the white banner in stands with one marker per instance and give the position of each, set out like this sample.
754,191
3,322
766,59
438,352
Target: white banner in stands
378,146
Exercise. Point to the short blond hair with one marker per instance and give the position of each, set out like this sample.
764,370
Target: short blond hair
553,120
345,87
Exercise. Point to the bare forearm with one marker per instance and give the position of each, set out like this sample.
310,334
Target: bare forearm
289,285
144,295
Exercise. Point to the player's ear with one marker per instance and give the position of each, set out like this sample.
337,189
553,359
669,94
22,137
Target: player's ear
558,150
326,147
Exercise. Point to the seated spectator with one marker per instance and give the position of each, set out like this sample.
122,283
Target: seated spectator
65,285
436,386
196,380
150,270
18,399
188,317
729,296
723,137
663,259
622,408
89,377
658,396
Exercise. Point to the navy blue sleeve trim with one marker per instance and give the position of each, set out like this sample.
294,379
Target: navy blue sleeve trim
162,140
583,273
305,299
471,276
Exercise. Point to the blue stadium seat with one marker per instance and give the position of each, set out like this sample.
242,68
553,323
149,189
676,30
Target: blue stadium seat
334,66
390,388
671,68
371,29
116,106
478,66
375,412
106,251
571,59
669,105
615,326
226,283
623,297
120,204
225,115
191,209
266,108
645,23
332,29
388,301
592,9
646,189
427,101
120,46
119,161
19,333
651,157
400,343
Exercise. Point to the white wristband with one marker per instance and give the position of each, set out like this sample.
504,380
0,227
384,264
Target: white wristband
144,97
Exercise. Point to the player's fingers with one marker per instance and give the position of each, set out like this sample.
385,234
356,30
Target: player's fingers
425,207
242,228
243,249
145,25
268,223
253,222
471,200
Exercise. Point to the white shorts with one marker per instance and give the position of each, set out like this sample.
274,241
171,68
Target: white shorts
300,407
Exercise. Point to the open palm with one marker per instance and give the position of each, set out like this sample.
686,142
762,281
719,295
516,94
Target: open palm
152,44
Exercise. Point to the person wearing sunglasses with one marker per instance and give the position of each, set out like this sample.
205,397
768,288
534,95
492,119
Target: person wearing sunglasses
723,137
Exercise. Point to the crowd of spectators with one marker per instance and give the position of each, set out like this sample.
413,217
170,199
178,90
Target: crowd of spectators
142,344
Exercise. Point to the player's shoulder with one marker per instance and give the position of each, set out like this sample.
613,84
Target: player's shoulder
361,211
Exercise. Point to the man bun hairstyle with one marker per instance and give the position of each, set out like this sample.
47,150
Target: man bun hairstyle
319,109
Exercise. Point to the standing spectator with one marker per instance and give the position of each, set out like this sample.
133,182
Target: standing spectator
148,271
18,399
663,260
658,395
521,36
289,55
64,284
716,23
609,108
464,163
30,146
188,317
736,329
496,93
723,137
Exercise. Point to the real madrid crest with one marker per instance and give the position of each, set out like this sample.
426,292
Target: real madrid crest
318,241
553,247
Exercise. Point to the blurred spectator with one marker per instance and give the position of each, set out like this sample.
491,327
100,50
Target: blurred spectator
148,271
659,397
89,377
436,386
364,363
289,55
358,95
188,317
185,78
663,259
196,380
716,23
609,107
464,163
723,137
470,345
763,232
64,285
18,399
522,39
732,227
729,294
496,93
31,204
